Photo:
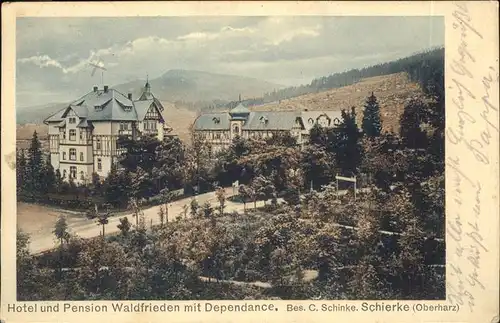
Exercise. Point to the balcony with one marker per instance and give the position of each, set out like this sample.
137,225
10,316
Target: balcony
127,132
150,132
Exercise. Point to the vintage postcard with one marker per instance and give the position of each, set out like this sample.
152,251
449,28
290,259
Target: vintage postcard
250,162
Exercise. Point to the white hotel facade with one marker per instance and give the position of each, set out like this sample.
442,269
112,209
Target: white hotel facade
83,136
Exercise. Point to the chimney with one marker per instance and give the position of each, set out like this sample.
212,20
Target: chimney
130,96
95,88
105,88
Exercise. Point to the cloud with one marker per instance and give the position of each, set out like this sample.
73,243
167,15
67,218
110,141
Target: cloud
299,32
54,53
224,33
41,61
46,61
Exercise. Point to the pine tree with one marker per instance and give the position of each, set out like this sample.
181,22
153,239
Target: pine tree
58,181
346,144
21,172
372,126
48,177
34,167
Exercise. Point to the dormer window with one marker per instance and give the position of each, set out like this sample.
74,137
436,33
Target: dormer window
311,121
336,121
72,120
98,107
264,119
216,120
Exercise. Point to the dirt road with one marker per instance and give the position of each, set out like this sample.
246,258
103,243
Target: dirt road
39,221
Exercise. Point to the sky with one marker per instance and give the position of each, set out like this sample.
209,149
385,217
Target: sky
53,54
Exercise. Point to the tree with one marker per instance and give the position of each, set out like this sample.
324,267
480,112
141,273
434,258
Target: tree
96,186
345,143
284,139
58,181
124,226
48,177
280,266
161,215
318,136
21,172
169,167
318,165
372,125
34,167
198,164
264,188
252,193
411,124
100,217
141,184
232,169
30,280
62,234
61,230
194,206
291,196
134,205
244,193
139,152
117,187
207,210
220,193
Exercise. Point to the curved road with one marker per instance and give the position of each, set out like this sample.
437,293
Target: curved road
85,228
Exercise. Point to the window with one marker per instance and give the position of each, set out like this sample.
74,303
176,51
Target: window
236,128
72,154
81,156
98,143
123,126
64,134
149,125
99,164
81,134
72,172
72,120
64,155
64,174
82,175
72,134
217,136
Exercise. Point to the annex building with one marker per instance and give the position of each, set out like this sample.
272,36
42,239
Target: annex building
219,129
83,136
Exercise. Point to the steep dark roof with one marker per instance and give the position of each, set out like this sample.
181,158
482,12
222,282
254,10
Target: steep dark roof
107,105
